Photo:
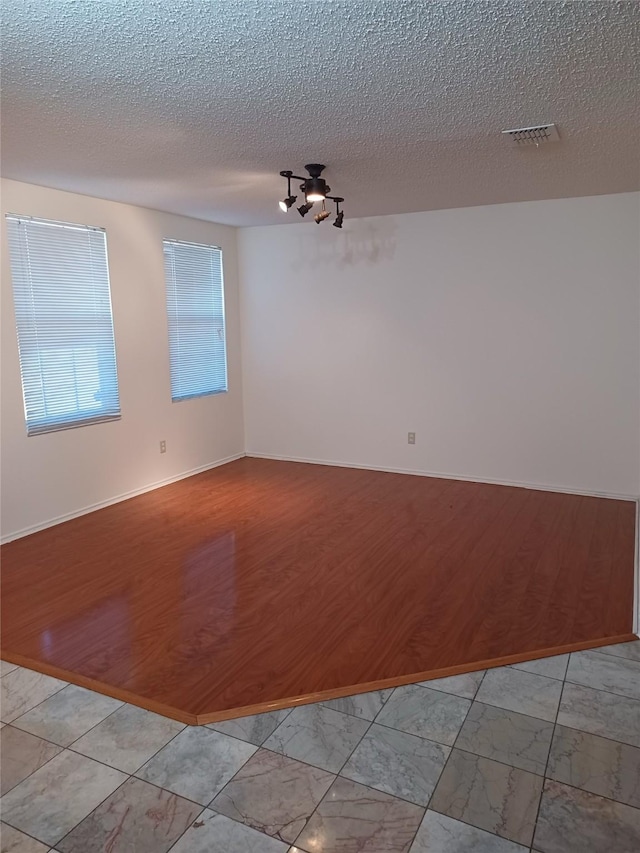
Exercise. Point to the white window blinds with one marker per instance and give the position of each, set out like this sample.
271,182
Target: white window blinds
64,323
195,308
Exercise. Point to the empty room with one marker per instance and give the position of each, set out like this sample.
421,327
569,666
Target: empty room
320,426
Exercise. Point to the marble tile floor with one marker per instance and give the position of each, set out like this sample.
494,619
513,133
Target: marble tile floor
542,756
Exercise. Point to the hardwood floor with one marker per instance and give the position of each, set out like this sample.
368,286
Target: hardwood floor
262,583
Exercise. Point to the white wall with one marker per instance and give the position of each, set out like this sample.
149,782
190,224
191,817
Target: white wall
47,477
507,337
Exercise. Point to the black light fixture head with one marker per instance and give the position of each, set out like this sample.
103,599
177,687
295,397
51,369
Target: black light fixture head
315,188
287,202
337,222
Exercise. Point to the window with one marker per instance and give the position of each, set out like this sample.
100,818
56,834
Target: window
195,308
64,323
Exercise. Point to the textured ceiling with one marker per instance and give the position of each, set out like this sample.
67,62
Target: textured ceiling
194,107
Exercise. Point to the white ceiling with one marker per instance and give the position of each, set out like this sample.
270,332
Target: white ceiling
194,107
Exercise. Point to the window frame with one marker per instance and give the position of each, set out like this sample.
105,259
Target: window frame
171,302
31,322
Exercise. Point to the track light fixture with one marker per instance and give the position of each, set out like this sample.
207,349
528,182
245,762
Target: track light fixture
315,189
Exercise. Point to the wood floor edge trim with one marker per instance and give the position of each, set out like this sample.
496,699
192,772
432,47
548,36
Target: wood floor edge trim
440,475
102,687
125,496
399,681
292,702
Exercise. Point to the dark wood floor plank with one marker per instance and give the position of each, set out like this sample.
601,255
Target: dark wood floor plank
621,582
518,590
261,583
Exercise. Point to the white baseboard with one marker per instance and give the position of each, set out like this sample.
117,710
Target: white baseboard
446,476
18,534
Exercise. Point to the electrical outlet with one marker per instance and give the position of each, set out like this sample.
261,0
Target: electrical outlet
163,447
411,438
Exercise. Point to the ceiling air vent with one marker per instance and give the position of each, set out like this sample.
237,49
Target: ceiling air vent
541,134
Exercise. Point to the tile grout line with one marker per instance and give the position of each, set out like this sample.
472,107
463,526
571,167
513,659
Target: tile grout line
421,737
597,650
603,690
66,749
366,693
300,760
428,740
212,726
466,823
593,794
497,760
306,763
344,764
69,684
29,775
267,749
520,665
187,726
27,834
337,775
202,807
37,705
594,734
146,781
600,651
89,757
75,826
444,767
75,740
596,690
546,766
63,748
122,784
229,781
53,743
128,775
196,818
144,763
